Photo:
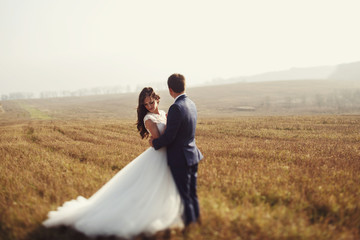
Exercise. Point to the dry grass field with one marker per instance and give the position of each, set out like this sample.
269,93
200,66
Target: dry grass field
263,177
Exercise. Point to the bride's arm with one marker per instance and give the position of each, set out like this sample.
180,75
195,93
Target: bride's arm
152,128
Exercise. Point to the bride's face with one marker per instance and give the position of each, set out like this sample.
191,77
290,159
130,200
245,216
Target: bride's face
151,104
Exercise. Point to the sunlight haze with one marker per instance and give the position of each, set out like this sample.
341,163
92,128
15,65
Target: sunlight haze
68,45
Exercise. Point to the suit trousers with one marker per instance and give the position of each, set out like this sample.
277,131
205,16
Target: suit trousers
185,178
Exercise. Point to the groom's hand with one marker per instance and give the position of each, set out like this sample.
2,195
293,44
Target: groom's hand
150,141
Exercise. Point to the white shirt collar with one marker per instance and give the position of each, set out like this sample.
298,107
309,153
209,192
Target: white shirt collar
179,96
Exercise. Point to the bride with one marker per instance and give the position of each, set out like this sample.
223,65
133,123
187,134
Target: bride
141,198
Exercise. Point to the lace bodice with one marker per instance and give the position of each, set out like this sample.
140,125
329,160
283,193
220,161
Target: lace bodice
159,119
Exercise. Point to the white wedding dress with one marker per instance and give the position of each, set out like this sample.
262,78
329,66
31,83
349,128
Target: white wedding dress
141,198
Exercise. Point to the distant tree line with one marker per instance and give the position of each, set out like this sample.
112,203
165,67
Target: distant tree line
64,93
340,99
80,92
17,95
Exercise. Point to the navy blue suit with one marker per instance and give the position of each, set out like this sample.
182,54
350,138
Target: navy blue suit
182,154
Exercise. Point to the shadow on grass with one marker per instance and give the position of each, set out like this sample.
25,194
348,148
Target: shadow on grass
63,232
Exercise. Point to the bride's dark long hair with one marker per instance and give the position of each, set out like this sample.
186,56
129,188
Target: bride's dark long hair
142,111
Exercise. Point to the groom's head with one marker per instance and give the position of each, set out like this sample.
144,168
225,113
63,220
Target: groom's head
176,84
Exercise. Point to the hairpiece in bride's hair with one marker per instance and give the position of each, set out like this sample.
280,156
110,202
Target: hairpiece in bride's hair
142,111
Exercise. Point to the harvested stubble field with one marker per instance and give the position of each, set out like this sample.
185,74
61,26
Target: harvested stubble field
262,177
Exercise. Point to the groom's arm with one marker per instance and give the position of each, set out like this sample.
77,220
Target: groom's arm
172,127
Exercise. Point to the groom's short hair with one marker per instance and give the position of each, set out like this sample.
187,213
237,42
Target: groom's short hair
176,82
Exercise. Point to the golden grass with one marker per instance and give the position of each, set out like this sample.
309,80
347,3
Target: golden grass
34,112
261,178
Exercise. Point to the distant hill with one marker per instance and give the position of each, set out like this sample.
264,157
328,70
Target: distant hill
347,71
321,72
331,90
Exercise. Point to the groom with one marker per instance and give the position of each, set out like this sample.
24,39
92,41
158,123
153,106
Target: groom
182,153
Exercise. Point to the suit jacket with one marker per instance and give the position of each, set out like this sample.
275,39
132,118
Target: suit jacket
179,135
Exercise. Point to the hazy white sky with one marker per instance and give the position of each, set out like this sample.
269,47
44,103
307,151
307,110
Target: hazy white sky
71,44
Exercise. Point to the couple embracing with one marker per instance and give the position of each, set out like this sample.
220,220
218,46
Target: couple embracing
157,190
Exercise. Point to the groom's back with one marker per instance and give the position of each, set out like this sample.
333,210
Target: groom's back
186,134
189,119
